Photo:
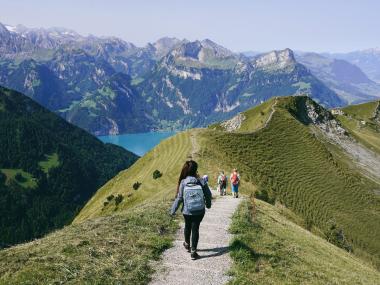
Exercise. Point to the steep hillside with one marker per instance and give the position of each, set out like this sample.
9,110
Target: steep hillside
193,86
345,78
48,168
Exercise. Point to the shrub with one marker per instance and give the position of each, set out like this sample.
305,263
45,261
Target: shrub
136,185
336,236
263,194
110,197
2,178
119,198
157,174
105,203
19,177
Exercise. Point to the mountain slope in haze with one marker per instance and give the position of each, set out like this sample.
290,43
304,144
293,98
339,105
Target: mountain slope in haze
175,83
48,168
346,79
368,60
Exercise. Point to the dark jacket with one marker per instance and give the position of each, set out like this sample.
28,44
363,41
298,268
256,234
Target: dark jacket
179,200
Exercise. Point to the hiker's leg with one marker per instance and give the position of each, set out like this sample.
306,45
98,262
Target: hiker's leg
187,231
234,190
195,231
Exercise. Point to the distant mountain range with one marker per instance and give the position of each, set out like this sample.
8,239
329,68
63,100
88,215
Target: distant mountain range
108,86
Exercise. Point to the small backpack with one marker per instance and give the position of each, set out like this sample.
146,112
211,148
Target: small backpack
223,181
194,199
235,179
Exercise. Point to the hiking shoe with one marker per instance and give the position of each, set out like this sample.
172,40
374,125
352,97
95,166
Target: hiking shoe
186,246
194,255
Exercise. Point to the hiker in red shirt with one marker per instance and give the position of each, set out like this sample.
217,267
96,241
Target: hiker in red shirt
235,181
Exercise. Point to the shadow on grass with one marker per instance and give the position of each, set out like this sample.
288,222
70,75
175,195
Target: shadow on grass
238,245
217,251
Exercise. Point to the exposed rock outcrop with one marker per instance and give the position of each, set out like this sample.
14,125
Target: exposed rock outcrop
234,123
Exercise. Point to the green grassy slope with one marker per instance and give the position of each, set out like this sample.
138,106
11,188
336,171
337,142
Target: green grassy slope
112,244
168,157
26,179
363,111
270,249
115,249
359,121
288,164
257,117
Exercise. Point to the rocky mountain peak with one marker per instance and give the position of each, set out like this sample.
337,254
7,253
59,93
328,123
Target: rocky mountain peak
201,51
279,58
164,45
3,30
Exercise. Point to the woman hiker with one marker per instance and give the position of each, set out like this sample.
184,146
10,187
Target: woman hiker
194,195
235,181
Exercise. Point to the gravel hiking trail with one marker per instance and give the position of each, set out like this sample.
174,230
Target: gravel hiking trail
176,266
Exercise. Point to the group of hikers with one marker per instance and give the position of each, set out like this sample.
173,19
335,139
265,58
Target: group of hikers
194,194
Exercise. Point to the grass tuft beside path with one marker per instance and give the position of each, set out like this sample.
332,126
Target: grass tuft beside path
116,249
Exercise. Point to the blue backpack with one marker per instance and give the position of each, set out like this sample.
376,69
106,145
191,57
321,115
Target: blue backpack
194,199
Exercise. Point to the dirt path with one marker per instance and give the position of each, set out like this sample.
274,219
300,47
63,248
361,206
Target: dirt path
195,146
272,112
176,266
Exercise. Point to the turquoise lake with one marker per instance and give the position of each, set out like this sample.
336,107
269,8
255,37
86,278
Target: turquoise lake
139,143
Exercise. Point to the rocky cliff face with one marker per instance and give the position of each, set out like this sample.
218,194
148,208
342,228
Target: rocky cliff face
275,59
377,113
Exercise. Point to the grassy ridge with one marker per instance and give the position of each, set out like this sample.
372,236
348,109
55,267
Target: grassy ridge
257,117
363,111
269,249
359,121
288,163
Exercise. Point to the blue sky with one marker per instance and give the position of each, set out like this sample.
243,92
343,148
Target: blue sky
241,25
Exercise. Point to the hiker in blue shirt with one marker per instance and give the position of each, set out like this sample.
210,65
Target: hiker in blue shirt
194,195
